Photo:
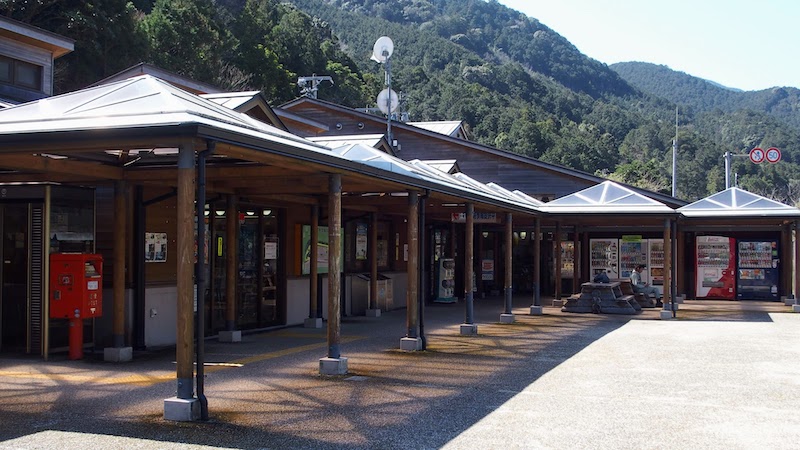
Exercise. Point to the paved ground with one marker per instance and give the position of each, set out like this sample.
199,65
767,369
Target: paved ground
724,375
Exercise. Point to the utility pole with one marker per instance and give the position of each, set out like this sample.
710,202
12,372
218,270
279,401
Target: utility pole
675,157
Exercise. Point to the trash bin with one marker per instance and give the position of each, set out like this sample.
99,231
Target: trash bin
385,298
360,293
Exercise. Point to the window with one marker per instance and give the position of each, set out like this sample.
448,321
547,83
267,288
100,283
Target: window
20,73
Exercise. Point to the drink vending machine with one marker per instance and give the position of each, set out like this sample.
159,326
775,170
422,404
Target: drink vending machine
758,272
632,252
715,264
76,293
604,257
655,264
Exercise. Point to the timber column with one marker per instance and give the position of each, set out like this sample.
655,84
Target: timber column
231,334
412,341
796,305
184,406
508,314
119,352
373,309
313,321
669,305
536,308
334,363
469,327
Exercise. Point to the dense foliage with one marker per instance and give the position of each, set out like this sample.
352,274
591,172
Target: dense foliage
517,84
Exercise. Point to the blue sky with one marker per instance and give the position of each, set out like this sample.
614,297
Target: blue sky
749,45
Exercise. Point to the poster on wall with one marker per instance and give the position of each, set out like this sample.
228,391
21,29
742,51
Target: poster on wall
361,241
322,250
155,247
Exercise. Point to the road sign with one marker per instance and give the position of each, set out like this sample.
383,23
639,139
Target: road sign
773,155
757,155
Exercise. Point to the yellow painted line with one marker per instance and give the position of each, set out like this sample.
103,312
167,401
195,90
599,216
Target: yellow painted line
149,380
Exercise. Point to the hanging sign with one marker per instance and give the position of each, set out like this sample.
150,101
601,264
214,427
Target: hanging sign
477,217
757,155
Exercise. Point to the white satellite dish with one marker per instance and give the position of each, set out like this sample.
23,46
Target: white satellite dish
382,49
384,102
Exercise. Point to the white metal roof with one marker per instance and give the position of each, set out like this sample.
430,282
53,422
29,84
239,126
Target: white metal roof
606,198
736,202
445,127
371,140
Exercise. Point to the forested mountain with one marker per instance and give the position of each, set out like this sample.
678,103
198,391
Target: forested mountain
703,96
517,84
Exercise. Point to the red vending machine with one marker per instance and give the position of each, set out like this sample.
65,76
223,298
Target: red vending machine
716,267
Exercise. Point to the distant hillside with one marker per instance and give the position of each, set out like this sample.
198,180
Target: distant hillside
782,103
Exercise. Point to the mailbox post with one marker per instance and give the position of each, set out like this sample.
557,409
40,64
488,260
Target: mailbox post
76,292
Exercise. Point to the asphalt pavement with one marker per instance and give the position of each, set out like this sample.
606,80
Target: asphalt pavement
723,375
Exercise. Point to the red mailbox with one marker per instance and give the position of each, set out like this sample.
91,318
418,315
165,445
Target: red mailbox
76,285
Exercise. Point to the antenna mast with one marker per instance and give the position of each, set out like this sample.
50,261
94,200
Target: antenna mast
675,156
387,99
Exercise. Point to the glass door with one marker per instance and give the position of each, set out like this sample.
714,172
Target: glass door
14,298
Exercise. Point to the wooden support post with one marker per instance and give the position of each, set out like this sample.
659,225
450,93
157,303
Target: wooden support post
680,260
334,266
797,261
508,315
469,270
373,262
576,261
537,262
184,351
557,243
314,263
120,247
668,261
412,283
231,261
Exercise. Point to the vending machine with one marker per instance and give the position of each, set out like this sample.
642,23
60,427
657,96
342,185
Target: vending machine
655,264
445,281
632,252
567,260
758,272
715,264
604,257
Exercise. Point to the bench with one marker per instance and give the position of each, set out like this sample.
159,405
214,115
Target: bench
627,288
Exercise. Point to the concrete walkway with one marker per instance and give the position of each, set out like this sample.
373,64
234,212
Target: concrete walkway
723,375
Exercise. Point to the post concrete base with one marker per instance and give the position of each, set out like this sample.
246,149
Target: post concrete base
536,310
333,366
409,344
789,301
182,409
668,306
313,323
680,298
230,336
373,313
666,315
469,329
796,308
118,354
558,303
506,318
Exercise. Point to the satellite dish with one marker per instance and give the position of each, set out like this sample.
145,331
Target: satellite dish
382,49
384,102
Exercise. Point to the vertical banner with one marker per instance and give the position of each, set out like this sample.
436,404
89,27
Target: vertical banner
361,241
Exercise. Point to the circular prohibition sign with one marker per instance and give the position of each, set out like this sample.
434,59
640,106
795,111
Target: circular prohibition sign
757,155
773,155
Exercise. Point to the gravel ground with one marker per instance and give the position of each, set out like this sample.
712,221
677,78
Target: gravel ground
723,375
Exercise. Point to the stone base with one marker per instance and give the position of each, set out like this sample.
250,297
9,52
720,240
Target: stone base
333,366
506,318
558,303
118,354
796,308
373,313
666,315
668,306
536,310
410,344
182,409
230,336
469,329
313,323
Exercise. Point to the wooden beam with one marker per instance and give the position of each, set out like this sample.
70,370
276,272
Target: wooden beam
44,164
